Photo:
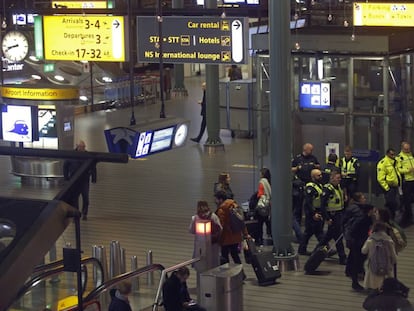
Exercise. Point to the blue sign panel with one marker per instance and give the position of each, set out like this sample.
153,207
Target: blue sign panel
366,155
315,95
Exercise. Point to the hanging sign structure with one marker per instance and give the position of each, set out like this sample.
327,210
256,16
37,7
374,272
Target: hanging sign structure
186,39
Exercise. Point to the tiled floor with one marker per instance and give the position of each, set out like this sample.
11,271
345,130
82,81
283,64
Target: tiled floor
147,205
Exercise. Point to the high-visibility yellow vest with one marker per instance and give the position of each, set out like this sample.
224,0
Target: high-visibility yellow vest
316,201
335,202
348,167
405,162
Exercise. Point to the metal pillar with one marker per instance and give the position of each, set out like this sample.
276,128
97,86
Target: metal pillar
350,138
386,118
179,87
280,127
213,142
132,120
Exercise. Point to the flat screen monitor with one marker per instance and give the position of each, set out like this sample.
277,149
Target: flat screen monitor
19,123
162,139
315,95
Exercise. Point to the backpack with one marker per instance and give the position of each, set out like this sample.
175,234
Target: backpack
397,235
253,201
380,259
236,218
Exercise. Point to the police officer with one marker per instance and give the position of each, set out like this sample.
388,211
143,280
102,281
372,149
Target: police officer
350,169
313,217
302,165
405,161
389,178
332,207
329,167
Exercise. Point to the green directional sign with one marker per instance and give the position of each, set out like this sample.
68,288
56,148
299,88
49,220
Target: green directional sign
186,39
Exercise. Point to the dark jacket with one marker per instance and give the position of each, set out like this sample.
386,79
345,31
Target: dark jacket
117,304
71,166
203,105
356,223
174,293
387,302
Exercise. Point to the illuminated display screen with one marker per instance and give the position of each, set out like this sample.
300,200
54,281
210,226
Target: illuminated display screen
153,141
315,95
162,139
19,123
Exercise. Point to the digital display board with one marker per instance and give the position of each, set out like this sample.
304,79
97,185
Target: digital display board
383,14
193,39
315,95
19,123
78,37
47,122
153,141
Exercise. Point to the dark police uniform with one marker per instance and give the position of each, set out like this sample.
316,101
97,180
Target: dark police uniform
332,206
327,170
313,193
305,165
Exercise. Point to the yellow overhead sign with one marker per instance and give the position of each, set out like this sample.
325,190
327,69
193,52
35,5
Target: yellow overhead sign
79,4
384,14
77,37
39,93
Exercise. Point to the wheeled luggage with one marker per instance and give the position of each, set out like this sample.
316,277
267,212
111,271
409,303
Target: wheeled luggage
265,267
317,257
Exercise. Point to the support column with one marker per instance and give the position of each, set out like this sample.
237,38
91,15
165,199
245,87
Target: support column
179,87
386,118
213,142
350,138
281,128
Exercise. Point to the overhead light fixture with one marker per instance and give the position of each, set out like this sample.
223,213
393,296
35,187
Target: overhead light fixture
59,78
36,77
107,79
83,98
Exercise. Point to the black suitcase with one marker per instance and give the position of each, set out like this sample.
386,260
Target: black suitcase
317,257
249,251
265,267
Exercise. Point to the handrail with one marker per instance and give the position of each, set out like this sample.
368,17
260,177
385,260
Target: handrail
122,277
163,275
56,268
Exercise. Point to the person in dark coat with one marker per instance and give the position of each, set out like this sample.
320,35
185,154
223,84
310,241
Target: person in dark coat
119,297
70,167
391,297
357,222
175,293
203,114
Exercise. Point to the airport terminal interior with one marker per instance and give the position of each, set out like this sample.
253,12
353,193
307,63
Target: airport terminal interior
143,208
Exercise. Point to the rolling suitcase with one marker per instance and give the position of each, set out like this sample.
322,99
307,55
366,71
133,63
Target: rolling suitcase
317,257
266,268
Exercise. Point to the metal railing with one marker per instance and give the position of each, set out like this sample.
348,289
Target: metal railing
163,276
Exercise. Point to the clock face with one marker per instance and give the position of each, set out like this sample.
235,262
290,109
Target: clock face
15,46
180,135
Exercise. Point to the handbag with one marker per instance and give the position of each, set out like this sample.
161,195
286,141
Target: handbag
263,206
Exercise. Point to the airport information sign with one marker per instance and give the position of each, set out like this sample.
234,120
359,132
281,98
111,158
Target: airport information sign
72,4
96,38
186,39
384,14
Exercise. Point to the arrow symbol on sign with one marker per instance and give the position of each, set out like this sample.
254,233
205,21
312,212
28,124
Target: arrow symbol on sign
236,24
116,23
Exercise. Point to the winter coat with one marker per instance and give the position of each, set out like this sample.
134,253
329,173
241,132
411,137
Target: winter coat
228,237
372,280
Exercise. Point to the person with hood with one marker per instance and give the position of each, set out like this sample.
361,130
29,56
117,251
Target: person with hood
357,222
119,297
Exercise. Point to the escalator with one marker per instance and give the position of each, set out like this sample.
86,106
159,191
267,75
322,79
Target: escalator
52,288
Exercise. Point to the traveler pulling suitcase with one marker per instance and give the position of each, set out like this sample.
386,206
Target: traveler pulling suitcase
318,256
265,267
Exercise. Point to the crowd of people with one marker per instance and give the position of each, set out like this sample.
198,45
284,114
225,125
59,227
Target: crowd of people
336,210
